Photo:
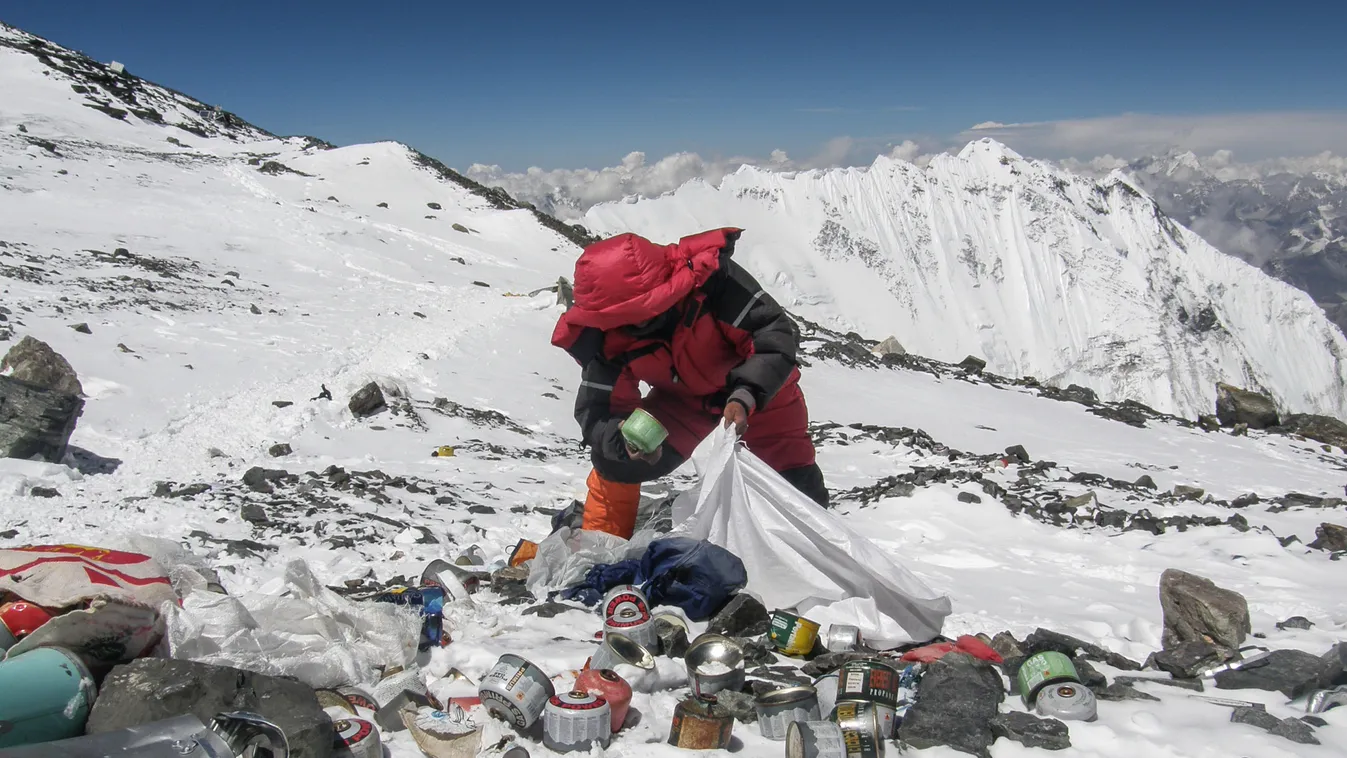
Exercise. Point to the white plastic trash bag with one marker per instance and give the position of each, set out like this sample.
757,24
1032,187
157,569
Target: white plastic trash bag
800,556
296,627
567,555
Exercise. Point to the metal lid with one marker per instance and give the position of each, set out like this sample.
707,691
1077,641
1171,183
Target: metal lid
786,695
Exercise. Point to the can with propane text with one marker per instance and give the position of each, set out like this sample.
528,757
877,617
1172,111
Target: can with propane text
700,723
45,695
865,715
636,626
355,738
842,638
868,679
625,596
575,721
826,686
516,691
825,739
1041,670
364,705
793,635
1068,702
778,709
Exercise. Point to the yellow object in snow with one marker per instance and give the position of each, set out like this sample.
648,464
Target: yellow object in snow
443,451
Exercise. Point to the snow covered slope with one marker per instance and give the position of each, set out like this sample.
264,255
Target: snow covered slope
1032,268
225,281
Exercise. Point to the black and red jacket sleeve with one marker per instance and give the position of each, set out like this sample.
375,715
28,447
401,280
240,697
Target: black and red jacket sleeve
604,385
752,319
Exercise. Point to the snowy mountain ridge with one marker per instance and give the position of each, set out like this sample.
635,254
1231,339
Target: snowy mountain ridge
1035,269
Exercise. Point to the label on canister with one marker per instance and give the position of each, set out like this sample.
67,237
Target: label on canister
516,690
355,738
362,702
1042,669
575,721
869,679
865,716
625,596
792,634
824,739
636,626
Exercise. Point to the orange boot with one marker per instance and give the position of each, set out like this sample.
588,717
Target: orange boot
611,506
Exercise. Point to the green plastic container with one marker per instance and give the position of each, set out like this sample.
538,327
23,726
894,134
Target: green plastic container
643,432
45,695
1043,669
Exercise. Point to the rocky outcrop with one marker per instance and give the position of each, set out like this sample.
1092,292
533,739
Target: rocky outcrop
35,362
1241,406
1196,610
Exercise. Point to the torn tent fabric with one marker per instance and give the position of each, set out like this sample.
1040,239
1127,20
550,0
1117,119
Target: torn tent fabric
694,575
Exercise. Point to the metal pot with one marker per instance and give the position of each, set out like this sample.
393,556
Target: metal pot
715,662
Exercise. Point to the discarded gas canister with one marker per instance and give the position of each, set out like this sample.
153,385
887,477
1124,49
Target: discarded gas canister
1068,702
1042,669
45,695
22,618
355,738
700,723
361,702
576,720
618,648
607,684
457,581
714,663
516,691
842,638
637,626
627,596
643,432
826,686
868,679
865,716
778,709
792,634
334,702
825,739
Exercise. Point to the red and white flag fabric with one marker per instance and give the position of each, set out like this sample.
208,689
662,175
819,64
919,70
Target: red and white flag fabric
59,576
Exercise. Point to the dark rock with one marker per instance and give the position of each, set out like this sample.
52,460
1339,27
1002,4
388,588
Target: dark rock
481,510
829,662
35,420
152,689
968,497
1195,609
1292,729
1184,492
367,401
1244,501
673,639
959,700
741,705
1145,481
260,479
1006,645
9,534
33,361
1330,537
1194,685
565,293
253,309
743,616
1325,429
279,450
82,328
254,514
1032,731
383,205
1209,423
191,490
1088,675
549,609
282,403
1314,721
1294,673
972,364
1295,622
1240,430
756,653
1044,639
435,206
1240,406
44,492
1122,691
480,284
1018,453
459,228
1188,659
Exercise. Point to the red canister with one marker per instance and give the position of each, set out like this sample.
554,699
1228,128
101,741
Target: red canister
608,685
23,618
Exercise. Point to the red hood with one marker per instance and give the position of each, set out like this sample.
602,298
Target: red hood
627,279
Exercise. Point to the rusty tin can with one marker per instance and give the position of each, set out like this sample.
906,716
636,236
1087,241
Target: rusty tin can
699,723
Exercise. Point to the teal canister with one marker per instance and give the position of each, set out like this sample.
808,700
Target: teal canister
45,695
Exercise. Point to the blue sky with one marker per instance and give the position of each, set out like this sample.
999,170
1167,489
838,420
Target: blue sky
582,84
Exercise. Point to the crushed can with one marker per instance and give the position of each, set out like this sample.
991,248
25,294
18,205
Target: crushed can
516,691
1042,669
576,720
776,710
1067,702
793,635
700,723
826,739
45,695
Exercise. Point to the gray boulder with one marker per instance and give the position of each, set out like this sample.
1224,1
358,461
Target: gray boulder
367,401
1330,537
1294,673
36,421
890,346
1196,610
1325,429
743,616
1241,406
33,361
959,700
150,689
1291,729
1032,731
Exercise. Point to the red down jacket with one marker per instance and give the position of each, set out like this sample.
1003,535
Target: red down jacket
715,331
